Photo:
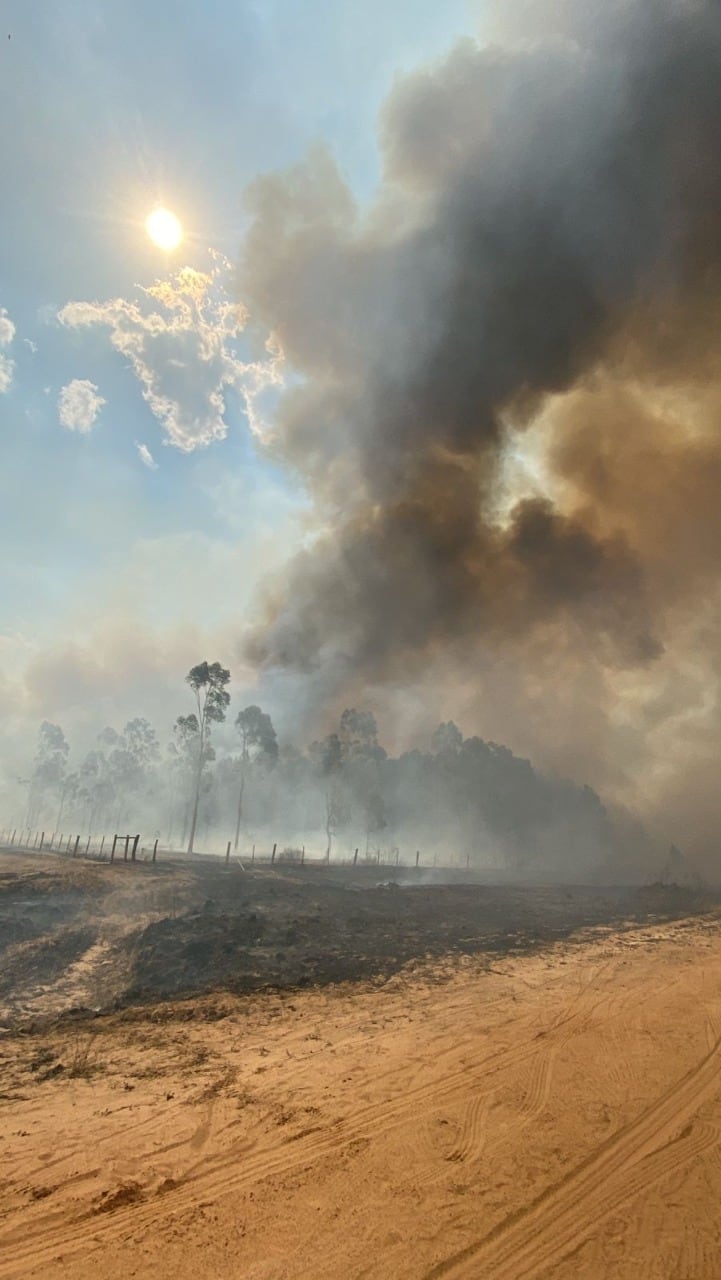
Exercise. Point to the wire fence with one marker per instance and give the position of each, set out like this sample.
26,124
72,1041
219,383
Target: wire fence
127,848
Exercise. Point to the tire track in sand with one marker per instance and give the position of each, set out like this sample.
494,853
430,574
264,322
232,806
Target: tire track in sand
533,1239
241,1165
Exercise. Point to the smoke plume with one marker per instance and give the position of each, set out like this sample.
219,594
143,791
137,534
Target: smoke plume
506,396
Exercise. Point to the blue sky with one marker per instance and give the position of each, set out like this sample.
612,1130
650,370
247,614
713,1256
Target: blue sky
123,554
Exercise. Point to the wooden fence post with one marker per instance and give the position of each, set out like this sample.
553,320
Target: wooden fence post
252,856
102,846
87,847
302,856
272,856
418,854
13,839
227,855
112,851
37,833
355,858
127,846
135,847
155,849
42,839
75,850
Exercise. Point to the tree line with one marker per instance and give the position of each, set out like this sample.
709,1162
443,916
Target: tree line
466,796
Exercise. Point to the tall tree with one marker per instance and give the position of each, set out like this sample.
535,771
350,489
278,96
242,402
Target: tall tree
208,681
132,760
96,790
49,769
337,813
258,741
182,759
358,732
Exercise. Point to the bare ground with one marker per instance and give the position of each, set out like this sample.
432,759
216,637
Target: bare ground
543,1101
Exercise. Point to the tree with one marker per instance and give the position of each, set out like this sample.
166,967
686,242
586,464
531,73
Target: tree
374,812
129,762
447,739
257,741
49,768
358,728
337,813
68,792
208,683
96,786
327,756
182,758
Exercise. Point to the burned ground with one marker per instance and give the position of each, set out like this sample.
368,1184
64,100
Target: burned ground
78,935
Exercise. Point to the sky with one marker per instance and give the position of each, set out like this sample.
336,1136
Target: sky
139,506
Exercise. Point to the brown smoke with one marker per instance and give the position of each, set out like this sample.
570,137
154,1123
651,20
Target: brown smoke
543,261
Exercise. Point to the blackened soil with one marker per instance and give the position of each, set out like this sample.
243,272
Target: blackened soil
36,903
292,930
44,960
179,929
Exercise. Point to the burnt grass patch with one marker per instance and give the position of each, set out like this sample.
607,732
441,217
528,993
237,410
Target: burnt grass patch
33,904
188,928
42,960
258,931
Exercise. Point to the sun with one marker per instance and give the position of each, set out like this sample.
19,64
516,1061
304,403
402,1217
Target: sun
164,229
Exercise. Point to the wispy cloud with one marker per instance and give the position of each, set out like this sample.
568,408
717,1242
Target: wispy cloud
79,404
7,366
146,456
182,338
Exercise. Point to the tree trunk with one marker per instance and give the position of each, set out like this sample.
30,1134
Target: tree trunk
240,807
196,801
328,825
62,806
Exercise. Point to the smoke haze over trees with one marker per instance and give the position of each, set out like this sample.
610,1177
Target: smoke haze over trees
506,408
460,799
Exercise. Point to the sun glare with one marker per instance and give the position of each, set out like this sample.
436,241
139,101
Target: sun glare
164,229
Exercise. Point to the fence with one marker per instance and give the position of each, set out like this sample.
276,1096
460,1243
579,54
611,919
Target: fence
127,849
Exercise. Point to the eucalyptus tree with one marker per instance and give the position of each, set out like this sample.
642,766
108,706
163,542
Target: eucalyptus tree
208,682
258,744
49,768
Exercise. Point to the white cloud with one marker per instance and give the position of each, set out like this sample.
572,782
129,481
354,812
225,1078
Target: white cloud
7,366
146,456
79,405
182,338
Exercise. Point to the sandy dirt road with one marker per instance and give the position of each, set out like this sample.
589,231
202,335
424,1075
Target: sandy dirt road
556,1115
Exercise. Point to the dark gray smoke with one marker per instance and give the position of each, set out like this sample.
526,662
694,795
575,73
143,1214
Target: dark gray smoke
543,256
